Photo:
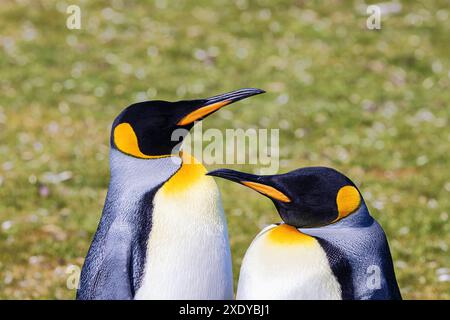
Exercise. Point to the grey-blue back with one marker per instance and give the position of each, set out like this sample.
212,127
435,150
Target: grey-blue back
359,256
115,262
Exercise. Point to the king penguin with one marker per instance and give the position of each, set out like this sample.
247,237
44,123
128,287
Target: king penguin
162,233
327,248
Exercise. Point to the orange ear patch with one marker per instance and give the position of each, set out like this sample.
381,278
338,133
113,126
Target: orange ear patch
200,113
285,234
126,141
348,200
267,190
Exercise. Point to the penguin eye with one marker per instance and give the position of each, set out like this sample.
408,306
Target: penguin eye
314,200
347,200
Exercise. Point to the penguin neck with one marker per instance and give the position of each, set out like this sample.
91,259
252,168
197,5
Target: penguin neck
137,170
360,218
191,190
132,178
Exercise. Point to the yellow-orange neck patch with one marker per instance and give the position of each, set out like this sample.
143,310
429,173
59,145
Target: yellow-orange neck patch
348,200
190,172
285,234
126,141
267,190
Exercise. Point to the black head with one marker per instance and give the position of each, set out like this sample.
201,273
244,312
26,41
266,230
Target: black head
145,129
306,197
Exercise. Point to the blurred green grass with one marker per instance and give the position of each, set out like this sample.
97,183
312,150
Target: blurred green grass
373,104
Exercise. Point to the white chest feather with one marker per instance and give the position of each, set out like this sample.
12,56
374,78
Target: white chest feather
281,264
188,254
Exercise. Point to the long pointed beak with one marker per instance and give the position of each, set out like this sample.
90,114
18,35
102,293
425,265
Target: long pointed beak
213,104
260,184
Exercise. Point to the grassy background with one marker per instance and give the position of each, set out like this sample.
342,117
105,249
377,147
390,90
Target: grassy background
373,104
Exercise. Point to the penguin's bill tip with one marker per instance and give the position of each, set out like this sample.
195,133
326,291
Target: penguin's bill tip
217,102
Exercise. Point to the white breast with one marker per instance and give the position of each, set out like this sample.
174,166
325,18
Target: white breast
280,271
188,255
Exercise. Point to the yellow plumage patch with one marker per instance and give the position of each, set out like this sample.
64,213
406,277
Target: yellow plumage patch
285,234
191,172
347,200
126,141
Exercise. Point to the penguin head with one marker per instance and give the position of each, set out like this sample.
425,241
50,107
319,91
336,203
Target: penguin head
305,198
144,130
